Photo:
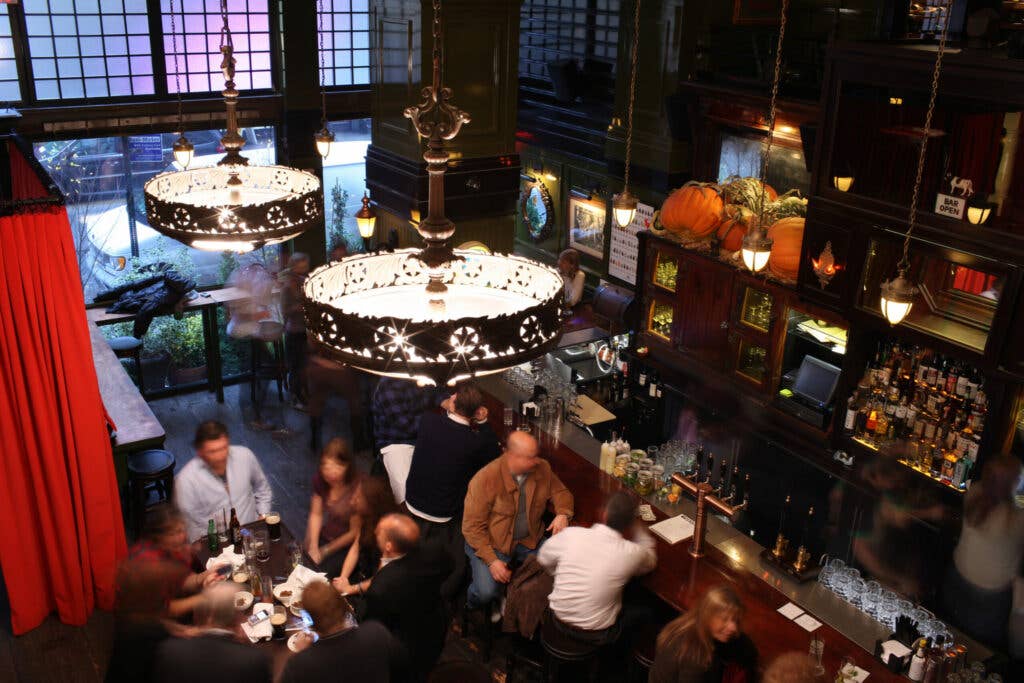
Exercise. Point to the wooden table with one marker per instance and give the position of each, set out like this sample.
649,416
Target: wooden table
137,426
206,304
681,580
279,566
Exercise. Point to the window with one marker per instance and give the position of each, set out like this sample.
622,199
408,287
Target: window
345,181
10,90
196,43
586,32
89,48
103,178
346,42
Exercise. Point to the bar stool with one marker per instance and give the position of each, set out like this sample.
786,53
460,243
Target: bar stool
561,650
268,332
642,650
131,348
150,471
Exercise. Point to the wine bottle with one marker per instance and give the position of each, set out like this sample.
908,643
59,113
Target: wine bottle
850,421
236,530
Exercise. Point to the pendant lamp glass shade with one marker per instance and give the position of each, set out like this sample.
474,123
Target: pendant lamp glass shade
624,207
756,249
843,183
366,219
183,151
323,138
897,298
979,212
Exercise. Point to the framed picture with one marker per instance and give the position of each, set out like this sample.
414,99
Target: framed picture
586,226
756,11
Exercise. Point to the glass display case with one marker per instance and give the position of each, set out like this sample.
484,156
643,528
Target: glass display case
756,308
660,317
956,302
666,271
752,361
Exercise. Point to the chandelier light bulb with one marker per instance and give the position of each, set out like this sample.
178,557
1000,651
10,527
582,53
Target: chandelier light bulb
184,150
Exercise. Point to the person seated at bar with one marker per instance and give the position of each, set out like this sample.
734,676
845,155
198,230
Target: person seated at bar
502,518
212,653
220,477
405,594
572,277
591,567
706,644
367,653
790,667
978,590
398,406
333,523
155,584
450,449
372,501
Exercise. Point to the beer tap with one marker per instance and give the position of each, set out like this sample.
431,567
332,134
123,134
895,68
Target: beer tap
702,491
708,469
723,473
803,556
732,494
781,542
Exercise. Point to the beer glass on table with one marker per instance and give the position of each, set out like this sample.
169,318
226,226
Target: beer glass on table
278,619
273,519
817,650
261,545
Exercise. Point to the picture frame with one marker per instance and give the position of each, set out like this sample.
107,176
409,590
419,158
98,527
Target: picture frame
587,226
537,211
756,11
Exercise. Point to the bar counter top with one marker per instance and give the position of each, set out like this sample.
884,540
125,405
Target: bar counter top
731,557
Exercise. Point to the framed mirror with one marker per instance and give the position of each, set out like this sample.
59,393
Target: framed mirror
538,211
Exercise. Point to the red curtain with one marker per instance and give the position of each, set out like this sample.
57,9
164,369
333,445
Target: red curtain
972,281
63,532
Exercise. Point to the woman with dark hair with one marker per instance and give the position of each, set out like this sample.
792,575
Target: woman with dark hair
978,591
705,645
333,522
373,499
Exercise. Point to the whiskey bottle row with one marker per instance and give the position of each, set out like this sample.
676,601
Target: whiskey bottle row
927,409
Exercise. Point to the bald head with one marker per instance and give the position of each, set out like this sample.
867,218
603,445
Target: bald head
397,535
521,453
217,606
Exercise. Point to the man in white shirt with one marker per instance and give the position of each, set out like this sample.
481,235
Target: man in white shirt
219,478
591,567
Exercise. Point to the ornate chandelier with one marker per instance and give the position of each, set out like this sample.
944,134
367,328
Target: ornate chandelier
435,315
233,206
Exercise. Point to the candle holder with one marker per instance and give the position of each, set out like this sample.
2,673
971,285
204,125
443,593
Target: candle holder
803,558
781,548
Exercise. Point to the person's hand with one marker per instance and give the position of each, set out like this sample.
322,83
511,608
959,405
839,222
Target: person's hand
481,414
343,586
314,553
304,640
500,571
212,576
558,524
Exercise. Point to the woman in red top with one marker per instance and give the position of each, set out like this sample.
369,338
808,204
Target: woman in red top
333,522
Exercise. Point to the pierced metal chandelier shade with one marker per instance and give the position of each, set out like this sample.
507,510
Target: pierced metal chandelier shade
372,311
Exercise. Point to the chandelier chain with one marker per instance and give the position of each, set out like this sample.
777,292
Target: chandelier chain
766,157
904,263
177,67
632,92
225,32
323,71
436,33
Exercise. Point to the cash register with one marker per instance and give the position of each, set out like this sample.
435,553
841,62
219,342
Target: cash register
809,396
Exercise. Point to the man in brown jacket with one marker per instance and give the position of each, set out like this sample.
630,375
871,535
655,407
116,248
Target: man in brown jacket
502,521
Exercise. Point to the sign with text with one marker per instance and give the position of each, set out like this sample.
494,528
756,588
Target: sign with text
144,148
623,254
948,205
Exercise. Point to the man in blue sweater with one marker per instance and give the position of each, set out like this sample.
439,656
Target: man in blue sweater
450,449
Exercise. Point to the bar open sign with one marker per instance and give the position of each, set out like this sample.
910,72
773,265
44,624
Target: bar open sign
948,205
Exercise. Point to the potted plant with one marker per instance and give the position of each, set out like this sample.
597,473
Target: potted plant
183,341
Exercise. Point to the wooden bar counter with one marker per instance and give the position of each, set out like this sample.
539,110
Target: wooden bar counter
680,580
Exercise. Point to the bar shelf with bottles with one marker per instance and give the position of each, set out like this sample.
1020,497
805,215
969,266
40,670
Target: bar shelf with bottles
927,410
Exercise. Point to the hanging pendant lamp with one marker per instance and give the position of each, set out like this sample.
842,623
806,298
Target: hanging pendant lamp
624,203
323,138
435,315
898,294
233,206
183,149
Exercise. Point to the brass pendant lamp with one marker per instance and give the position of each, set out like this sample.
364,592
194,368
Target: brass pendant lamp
624,203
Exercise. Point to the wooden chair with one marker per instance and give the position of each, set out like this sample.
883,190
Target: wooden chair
149,472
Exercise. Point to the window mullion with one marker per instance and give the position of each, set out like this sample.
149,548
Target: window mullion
154,12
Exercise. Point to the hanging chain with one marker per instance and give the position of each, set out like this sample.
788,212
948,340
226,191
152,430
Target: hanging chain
177,68
904,263
632,91
225,32
436,33
766,157
323,69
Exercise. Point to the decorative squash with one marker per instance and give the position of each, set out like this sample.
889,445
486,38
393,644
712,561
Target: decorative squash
746,192
788,205
694,207
788,238
734,228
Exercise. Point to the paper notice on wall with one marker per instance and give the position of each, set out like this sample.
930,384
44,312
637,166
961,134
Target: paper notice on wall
624,245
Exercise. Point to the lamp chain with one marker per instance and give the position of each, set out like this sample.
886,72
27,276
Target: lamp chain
632,92
904,263
323,71
177,68
436,34
225,32
766,157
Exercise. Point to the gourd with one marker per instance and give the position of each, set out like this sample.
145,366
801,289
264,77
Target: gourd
734,228
787,237
695,207
746,192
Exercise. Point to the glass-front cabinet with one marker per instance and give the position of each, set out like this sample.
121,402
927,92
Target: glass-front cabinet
661,319
754,308
666,271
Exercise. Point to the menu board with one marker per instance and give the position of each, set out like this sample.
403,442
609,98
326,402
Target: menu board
624,244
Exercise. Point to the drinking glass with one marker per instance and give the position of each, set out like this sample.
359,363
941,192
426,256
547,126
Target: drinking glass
840,582
817,651
850,575
295,554
509,413
904,608
248,545
869,599
261,545
273,520
856,592
277,620
222,532
887,609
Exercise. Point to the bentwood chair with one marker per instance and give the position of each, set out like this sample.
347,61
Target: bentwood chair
149,473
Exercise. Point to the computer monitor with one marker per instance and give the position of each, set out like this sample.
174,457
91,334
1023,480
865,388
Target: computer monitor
815,381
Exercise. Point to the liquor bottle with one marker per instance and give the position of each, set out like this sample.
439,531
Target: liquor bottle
949,462
901,418
652,385
641,378
211,538
850,421
236,530
952,377
881,424
916,672
960,472
871,424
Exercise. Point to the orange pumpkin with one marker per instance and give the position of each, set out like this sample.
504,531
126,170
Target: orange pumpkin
694,207
787,241
734,228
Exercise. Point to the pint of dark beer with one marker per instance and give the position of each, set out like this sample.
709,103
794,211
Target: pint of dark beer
278,620
273,520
